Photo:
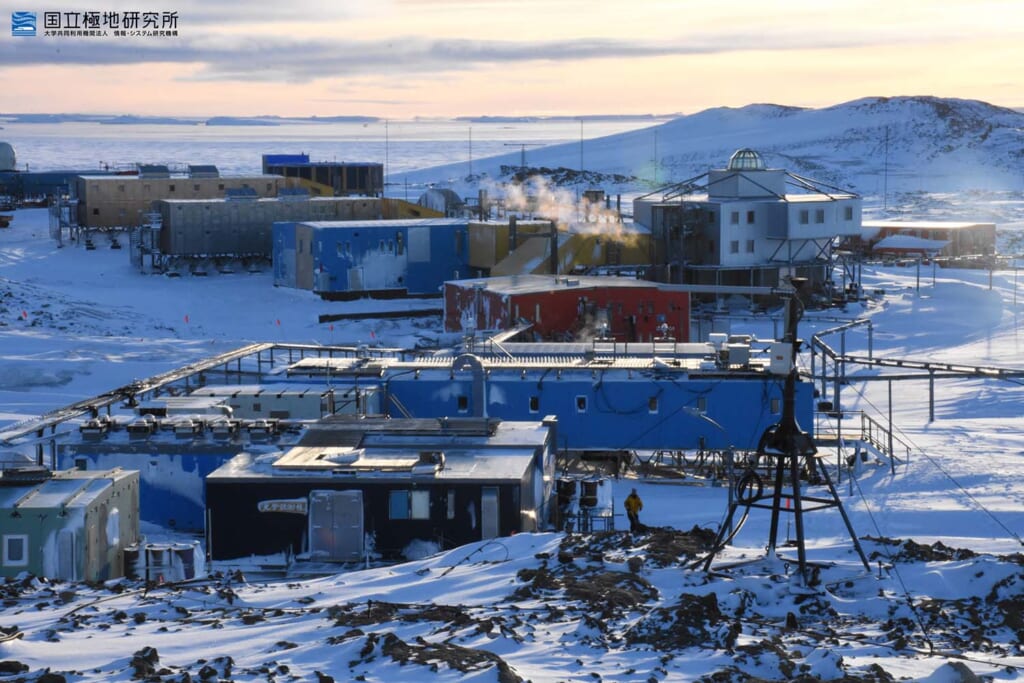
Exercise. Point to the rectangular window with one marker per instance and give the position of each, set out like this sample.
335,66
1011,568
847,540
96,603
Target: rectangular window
750,246
711,216
195,188
805,216
819,216
734,218
171,188
450,512
535,404
15,550
652,404
734,247
398,505
419,504
409,504
463,403
581,404
848,213
776,406
750,217
702,404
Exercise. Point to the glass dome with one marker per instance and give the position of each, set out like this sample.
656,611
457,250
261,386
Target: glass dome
745,160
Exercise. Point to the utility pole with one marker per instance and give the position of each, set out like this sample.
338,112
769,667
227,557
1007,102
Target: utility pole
522,151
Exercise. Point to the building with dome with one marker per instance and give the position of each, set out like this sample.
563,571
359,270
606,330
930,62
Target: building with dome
8,161
746,224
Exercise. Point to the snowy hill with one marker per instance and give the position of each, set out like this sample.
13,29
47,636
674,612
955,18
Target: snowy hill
899,144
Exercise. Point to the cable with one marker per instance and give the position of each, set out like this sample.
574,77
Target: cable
967,494
892,564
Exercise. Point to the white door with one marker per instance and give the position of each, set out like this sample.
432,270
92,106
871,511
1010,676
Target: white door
67,567
489,512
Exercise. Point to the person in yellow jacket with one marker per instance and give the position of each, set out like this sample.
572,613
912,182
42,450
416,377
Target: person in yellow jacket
633,507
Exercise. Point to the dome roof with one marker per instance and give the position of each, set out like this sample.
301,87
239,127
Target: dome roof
745,160
7,159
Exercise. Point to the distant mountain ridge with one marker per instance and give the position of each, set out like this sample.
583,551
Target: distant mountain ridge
870,145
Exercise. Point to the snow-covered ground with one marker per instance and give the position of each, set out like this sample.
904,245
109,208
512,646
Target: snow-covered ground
548,607
943,532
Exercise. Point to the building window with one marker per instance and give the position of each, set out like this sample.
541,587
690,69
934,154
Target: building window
340,248
15,550
398,505
848,213
450,512
535,404
419,504
711,216
269,187
581,404
750,246
220,186
409,504
463,403
805,216
95,212
195,188
734,218
750,217
734,247
819,215
702,404
257,407
171,188
652,404
776,406
120,188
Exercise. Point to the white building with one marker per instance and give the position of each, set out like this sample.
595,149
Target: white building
747,224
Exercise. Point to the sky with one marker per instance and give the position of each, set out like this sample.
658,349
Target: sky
444,58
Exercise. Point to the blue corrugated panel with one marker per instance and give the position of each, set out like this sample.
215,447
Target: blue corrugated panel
412,257
609,411
284,254
277,159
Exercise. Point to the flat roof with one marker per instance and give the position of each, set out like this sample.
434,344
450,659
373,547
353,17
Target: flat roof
346,464
281,199
523,284
67,488
792,198
925,225
385,223
179,176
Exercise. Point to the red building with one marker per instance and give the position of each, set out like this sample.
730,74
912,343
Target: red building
567,308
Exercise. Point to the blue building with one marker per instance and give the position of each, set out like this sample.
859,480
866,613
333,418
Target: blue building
379,258
609,404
